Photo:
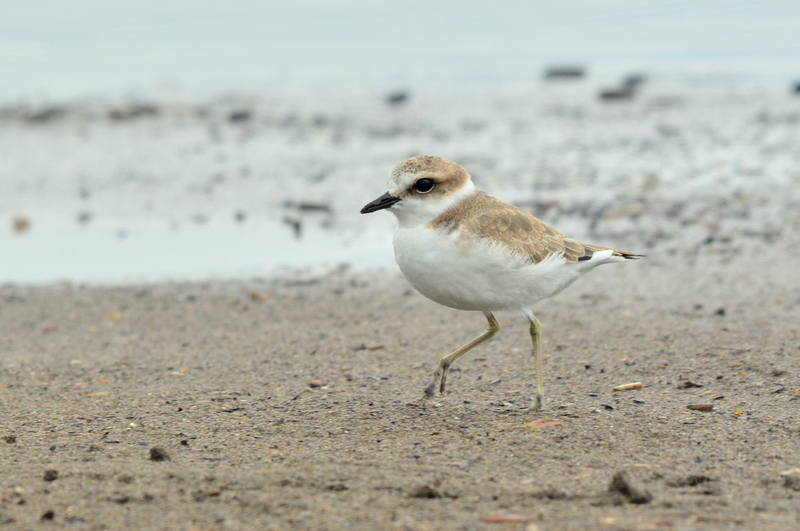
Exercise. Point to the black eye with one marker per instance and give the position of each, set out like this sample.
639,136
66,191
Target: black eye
424,186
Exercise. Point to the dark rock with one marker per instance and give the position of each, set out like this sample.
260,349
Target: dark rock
306,206
397,97
633,80
157,453
564,72
44,114
10,439
50,475
426,491
134,110
624,490
624,92
296,225
690,481
48,515
242,115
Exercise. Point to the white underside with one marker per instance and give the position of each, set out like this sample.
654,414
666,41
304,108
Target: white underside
475,275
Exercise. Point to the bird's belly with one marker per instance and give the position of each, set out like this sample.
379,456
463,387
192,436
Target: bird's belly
466,275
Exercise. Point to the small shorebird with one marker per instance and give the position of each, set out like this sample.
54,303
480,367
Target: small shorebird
465,249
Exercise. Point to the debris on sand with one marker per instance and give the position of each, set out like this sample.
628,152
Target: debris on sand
157,453
629,386
623,489
508,519
791,478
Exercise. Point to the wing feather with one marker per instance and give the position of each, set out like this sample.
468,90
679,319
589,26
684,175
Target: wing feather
489,219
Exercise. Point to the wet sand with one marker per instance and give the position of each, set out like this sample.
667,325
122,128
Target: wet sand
296,403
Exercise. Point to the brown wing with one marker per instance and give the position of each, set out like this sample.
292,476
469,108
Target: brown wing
482,216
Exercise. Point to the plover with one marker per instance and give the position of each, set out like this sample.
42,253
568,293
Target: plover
465,249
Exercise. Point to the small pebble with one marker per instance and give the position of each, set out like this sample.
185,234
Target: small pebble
50,475
315,383
10,439
700,407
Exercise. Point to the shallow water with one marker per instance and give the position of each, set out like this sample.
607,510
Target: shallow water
714,127
55,50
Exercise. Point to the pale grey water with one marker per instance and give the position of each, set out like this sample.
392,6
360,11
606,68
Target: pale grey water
54,49
718,74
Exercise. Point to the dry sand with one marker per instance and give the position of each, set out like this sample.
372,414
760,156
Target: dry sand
221,378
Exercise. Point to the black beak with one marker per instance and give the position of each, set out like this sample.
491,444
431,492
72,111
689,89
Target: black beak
384,201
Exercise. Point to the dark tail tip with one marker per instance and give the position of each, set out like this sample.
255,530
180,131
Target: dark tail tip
629,256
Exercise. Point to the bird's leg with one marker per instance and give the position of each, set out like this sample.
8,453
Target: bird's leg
536,339
440,374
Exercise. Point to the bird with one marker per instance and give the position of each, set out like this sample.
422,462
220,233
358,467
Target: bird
464,249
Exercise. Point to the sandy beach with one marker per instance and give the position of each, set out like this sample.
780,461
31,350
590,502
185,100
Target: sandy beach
297,403
282,387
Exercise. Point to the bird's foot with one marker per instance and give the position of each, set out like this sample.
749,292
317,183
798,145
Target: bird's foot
537,404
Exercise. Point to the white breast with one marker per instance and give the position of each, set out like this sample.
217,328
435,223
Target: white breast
474,275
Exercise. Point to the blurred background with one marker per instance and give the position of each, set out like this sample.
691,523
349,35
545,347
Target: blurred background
178,140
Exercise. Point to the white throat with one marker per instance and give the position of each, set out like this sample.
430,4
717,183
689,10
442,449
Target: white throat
415,211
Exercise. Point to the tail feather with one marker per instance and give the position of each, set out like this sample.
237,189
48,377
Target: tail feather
629,256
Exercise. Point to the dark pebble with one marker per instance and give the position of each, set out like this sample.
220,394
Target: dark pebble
397,97
48,515
615,94
243,115
128,112
624,489
158,453
50,475
564,72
